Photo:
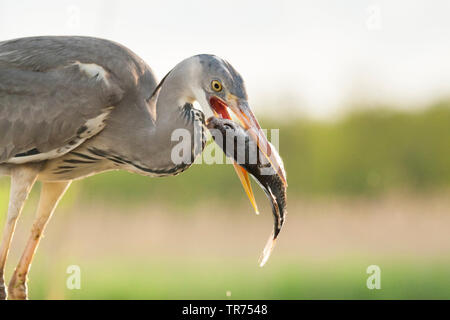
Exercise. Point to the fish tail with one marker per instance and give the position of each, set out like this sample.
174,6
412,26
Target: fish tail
267,250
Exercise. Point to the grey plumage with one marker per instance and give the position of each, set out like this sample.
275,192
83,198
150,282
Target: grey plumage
45,99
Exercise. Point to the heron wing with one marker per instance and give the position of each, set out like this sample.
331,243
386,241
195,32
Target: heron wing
46,112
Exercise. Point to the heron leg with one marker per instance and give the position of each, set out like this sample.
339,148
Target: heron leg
22,180
51,193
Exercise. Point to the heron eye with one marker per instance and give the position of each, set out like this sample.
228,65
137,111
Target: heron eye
216,86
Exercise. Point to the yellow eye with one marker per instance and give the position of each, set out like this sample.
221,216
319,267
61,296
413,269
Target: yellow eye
216,86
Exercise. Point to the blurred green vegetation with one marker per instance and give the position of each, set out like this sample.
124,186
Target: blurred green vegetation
364,153
163,278
369,152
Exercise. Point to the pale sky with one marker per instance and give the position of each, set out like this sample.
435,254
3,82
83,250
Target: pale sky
316,54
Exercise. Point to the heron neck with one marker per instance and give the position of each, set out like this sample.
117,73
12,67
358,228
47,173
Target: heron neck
176,89
171,115
152,145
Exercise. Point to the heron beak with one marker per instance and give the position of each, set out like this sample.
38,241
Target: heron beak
220,109
245,115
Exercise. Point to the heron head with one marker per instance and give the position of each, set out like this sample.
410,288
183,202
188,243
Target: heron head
221,88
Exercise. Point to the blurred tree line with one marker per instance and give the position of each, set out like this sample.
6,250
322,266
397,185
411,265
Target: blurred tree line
368,152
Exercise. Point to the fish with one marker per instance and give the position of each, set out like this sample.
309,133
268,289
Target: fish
236,143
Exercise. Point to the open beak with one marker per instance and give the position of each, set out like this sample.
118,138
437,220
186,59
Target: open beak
248,120
220,109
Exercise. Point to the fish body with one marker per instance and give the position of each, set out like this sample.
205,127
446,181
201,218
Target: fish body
235,141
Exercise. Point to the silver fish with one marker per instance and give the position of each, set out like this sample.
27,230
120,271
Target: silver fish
235,141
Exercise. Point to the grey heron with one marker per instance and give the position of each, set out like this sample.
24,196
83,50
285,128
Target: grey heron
71,107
